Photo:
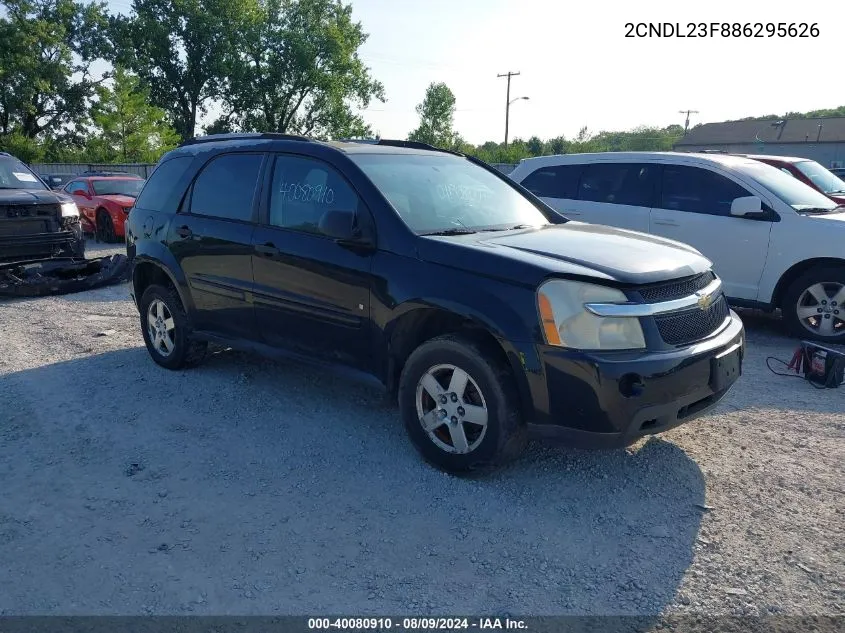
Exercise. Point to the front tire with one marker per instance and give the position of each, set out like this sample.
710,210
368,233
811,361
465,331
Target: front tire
166,329
459,405
105,227
814,305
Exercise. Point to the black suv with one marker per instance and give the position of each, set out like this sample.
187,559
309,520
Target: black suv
489,315
35,222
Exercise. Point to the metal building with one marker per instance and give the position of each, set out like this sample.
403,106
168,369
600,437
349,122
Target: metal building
822,140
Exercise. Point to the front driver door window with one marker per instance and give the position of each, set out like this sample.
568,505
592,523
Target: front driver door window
695,208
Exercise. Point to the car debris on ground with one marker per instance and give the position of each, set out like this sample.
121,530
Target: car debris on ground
56,276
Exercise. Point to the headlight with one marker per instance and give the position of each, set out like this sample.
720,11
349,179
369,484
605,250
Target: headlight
567,323
70,210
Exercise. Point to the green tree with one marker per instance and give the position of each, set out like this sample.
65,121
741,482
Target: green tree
557,145
177,48
535,146
46,51
129,129
293,67
437,112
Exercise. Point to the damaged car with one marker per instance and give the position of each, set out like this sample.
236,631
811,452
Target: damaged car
35,222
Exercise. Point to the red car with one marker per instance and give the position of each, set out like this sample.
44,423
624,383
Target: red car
809,172
104,202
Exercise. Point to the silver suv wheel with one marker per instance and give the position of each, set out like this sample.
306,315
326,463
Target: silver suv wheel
451,409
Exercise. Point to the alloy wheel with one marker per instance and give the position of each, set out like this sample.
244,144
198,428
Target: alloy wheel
821,308
451,409
161,327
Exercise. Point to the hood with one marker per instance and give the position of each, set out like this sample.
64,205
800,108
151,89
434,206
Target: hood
571,249
119,198
26,196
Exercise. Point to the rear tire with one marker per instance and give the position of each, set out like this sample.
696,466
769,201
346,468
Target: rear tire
166,329
814,305
448,387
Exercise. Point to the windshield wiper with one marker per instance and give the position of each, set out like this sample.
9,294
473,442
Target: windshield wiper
458,230
820,210
513,228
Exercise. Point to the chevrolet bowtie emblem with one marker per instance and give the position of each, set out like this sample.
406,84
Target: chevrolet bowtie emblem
704,300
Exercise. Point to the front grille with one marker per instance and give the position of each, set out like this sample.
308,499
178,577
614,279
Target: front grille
675,289
680,328
29,210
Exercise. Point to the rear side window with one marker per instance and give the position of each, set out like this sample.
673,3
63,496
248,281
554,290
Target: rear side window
558,181
226,187
159,187
697,190
619,183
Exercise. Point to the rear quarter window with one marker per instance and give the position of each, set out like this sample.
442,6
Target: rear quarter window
159,188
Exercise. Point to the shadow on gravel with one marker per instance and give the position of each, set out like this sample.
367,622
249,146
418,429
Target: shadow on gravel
247,486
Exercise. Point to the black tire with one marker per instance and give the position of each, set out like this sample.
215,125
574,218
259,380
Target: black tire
789,305
505,436
105,227
186,352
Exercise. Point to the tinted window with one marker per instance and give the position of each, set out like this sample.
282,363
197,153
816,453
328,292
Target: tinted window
303,190
122,187
618,183
559,181
226,186
700,191
159,187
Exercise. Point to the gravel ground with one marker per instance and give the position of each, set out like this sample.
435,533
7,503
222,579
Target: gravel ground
254,487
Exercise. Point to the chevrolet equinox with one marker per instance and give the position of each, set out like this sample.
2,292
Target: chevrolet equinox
491,317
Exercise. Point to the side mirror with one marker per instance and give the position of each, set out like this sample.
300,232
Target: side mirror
338,224
748,205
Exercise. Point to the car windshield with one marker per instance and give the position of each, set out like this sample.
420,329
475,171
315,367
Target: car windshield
15,175
792,191
446,193
118,186
821,177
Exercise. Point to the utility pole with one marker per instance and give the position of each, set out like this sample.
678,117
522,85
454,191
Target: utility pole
507,102
687,112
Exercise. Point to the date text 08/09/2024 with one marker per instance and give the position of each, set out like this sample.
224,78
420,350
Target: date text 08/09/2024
722,29
415,624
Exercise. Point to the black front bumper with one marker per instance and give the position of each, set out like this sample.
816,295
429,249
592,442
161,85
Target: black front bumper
611,399
69,242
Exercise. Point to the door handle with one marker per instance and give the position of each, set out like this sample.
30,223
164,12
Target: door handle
666,223
268,249
184,231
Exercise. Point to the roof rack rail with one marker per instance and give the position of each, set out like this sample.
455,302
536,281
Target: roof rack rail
387,142
234,136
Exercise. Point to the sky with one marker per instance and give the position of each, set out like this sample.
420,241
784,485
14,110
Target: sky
578,69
